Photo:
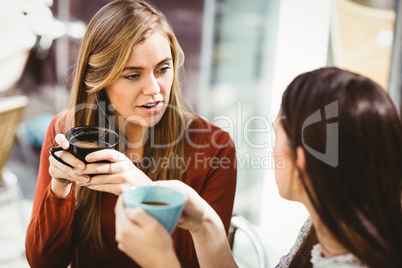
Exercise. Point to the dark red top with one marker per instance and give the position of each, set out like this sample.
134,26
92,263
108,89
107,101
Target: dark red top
211,171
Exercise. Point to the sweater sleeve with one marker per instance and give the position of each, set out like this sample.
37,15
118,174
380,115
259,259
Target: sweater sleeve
220,186
212,173
49,236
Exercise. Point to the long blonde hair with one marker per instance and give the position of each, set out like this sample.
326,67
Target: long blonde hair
111,35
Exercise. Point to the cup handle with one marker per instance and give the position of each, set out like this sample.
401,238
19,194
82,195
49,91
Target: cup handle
56,149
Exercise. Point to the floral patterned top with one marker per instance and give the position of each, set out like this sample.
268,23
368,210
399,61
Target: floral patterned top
317,258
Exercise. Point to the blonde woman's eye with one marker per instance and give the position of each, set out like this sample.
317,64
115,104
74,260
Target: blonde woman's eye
164,69
132,76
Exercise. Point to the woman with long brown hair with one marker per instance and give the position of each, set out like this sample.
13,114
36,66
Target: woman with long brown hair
355,201
341,138
126,79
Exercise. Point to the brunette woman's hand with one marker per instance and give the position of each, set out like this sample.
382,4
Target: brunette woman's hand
138,234
113,177
135,228
196,212
62,175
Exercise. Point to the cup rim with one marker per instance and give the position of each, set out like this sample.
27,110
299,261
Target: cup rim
169,205
69,132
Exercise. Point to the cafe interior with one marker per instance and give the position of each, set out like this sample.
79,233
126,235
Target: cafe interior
240,56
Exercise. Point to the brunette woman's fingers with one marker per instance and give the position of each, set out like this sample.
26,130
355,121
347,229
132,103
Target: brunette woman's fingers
139,217
122,220
119,205
142,218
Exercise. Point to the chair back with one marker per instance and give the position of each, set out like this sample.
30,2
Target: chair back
240,223
11,112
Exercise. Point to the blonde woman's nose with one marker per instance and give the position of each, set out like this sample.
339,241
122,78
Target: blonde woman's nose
151,86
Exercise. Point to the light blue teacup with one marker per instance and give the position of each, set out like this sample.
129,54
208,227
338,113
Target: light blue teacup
163,203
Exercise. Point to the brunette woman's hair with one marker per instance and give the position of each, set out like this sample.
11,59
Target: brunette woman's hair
357,194
110,37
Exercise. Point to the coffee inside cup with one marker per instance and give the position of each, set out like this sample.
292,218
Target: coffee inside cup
92,144
163,203
85,140
154,203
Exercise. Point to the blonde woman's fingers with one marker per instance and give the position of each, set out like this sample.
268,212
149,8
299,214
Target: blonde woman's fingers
106,154
62,141
67,172
103,168
58,171
70,159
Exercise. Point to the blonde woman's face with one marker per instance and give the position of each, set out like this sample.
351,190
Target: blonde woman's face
141,93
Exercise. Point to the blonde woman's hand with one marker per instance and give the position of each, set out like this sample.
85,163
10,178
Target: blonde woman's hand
114,177
138,234
62,175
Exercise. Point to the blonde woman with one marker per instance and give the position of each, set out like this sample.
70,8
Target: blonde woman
127,78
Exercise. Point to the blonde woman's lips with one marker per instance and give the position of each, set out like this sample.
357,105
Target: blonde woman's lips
152,107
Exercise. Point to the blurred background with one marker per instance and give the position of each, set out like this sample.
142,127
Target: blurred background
240,56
